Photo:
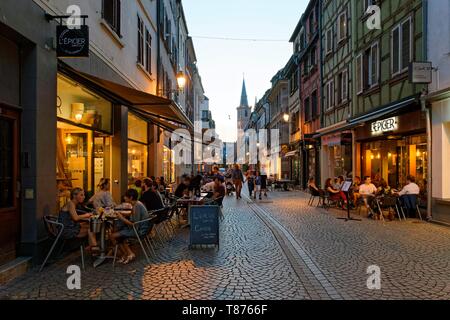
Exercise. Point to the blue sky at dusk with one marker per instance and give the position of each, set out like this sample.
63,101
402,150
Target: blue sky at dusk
222,63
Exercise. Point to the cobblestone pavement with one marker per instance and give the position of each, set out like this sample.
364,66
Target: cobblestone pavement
414,257
277,249
249,265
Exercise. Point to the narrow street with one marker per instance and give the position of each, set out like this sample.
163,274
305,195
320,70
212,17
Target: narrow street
279,249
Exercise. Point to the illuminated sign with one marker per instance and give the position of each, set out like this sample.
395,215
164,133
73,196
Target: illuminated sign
386,125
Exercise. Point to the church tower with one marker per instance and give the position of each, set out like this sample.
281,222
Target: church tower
244,110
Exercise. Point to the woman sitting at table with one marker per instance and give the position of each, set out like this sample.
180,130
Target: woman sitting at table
125,226
151,197
383,189
183,187
335,195
103,198
74,226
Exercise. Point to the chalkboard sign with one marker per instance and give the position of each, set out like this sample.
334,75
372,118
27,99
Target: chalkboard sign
204,222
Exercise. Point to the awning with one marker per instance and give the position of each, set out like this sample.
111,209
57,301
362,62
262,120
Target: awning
385,110
165,110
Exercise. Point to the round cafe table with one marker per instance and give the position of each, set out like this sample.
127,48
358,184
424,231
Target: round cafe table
109,218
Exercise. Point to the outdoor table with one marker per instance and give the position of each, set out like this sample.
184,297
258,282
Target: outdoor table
284,183
109,218
187,202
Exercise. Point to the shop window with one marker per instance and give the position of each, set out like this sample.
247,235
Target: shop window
80,106
137,147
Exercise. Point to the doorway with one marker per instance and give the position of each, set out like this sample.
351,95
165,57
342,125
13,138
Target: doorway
9,183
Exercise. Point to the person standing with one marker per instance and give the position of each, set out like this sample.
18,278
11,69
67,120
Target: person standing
250,182
238,178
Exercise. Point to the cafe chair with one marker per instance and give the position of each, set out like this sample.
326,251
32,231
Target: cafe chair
391,204
142,238
409,203
55,230
314,194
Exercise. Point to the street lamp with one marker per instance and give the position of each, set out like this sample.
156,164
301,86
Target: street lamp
286,117
181,80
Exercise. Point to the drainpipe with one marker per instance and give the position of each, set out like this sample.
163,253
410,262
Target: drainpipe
427,114
322,117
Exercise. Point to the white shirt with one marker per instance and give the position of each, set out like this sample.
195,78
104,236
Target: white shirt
410,188
367,189
209,187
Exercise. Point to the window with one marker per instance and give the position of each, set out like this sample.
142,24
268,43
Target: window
307,110
111,14
314,109
140,41
344,86
359,74
342,27
294,82
313,57
329,95
373,65
148,51
302,40
368,68
401,38
329,41
311,25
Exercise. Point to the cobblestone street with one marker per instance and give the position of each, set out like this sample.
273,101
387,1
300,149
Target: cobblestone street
277,249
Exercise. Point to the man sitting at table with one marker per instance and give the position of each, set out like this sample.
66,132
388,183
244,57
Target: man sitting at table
367,192
183,187
408,195
151,197
219,190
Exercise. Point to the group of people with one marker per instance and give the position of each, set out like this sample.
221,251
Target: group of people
139,200
366,191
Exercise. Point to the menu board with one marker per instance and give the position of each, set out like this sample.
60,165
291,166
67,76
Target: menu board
204,225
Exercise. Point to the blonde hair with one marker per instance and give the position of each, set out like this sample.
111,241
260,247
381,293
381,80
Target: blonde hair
75,192
103,183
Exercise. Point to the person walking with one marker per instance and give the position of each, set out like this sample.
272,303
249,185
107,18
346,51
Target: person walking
250,182
238,178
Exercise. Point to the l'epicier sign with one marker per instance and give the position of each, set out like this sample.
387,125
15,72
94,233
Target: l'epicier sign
386,125
72,43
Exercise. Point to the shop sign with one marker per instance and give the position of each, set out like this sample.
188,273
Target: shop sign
71,42
420,72
386,125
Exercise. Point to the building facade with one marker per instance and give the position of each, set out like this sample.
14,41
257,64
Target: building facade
70,122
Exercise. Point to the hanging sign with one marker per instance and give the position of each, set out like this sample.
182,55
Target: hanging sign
72,43
420,72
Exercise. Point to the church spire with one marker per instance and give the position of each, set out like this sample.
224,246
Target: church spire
244,100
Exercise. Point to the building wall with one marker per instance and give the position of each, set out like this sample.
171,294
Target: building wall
390,88
26,25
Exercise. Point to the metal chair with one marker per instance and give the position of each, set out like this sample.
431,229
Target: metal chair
55,230
410,202
314,194
390,203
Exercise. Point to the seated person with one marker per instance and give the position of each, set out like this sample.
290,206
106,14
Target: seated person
355,189
125,226
209,188
219,190
313,187
383,189
367,191
335,195
103,198
408,195
183,187
74,226
151,197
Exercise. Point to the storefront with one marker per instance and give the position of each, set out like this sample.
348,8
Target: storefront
83,139
439,103
310,160
137,148
393,147
336,155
